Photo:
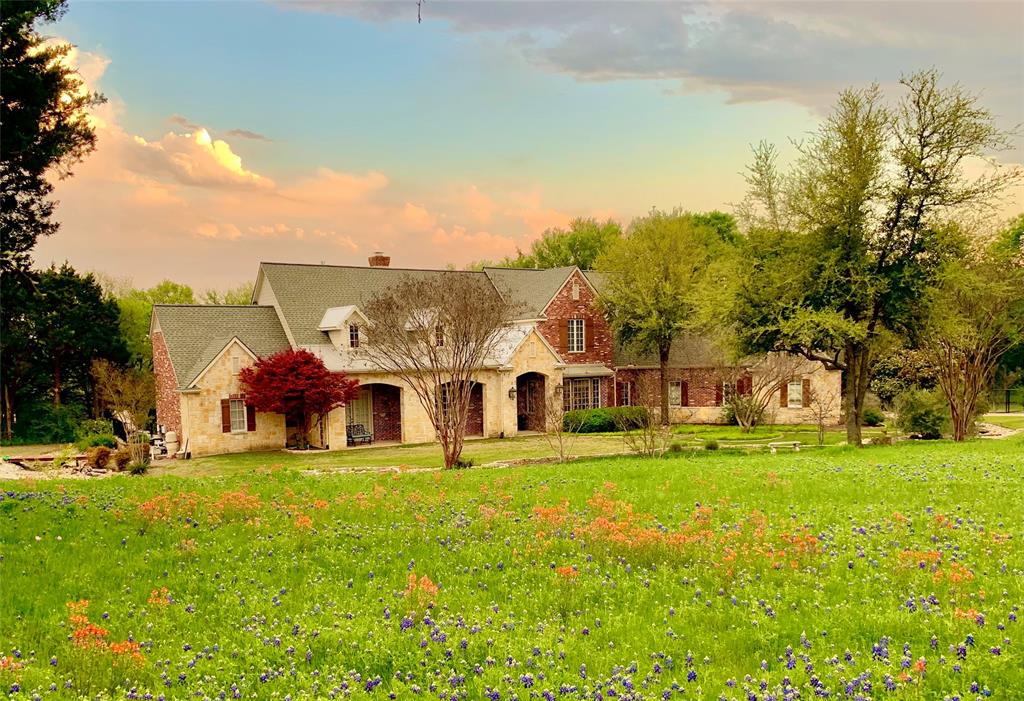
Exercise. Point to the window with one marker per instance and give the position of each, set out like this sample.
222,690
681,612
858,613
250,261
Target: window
728,391
577,341
238,415
795,394
353,335
675,393
625,398
439,336
444,402
582,393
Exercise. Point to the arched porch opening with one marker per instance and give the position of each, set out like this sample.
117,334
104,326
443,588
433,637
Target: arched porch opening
531,396
376,415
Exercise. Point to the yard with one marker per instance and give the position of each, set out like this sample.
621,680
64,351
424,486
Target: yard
889,572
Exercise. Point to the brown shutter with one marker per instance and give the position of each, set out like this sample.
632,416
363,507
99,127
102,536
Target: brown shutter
784,394
684,392
250,417
225,415
563,336
806,387
718,394
748,386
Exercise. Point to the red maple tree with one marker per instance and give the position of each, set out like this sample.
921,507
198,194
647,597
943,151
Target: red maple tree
296,383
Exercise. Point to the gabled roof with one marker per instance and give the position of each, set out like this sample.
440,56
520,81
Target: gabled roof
688,351
305,292
531,289
336,318
196,333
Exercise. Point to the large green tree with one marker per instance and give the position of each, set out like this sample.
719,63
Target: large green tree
44,129
661,280
136,308
843,248
977,314
578,244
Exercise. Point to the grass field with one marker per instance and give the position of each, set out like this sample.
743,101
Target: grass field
893,572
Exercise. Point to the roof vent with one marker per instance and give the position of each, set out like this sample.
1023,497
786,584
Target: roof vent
379,260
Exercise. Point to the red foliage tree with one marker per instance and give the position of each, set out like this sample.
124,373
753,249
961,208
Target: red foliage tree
297,384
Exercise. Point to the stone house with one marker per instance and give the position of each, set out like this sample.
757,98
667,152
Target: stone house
561,347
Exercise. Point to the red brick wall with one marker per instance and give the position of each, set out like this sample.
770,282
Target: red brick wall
599,347
475,418
168,403
701,387
387,413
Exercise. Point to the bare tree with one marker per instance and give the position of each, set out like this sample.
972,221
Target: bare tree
644,434
436,331
128,394
823,406
749,386
561,428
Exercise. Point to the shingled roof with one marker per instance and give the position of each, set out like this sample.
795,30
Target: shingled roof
688,351
529,288
196,333
304,292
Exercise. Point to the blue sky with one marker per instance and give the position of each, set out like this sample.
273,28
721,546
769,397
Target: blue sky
241,131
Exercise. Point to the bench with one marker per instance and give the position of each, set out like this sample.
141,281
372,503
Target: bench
774,447
357,433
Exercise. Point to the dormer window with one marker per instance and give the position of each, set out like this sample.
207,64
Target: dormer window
353,335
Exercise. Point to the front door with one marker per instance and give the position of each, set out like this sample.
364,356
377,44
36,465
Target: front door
360,411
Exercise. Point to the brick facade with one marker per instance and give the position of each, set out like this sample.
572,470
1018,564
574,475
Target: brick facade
168,403
387,413
598,341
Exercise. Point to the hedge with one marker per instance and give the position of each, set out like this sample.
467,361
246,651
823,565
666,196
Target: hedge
606,420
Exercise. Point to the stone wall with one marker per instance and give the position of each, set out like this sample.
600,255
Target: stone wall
168,403
201,412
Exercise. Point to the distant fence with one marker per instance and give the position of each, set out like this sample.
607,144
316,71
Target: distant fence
1006,400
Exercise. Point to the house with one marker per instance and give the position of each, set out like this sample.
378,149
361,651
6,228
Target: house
561,345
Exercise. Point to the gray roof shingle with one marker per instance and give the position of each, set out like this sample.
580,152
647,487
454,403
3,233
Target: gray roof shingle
688,351
304,292
196,333
529,288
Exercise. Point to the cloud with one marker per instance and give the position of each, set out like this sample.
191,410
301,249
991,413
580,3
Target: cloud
803,52
246,134
186,205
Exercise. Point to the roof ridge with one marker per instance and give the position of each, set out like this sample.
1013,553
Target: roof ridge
214,306
369,267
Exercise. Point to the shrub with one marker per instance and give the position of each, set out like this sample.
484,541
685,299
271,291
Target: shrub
41,422
711,445
91,427
122,456
138,468
107,440
98,457
675,448
873,417
922,413
463,463
607,419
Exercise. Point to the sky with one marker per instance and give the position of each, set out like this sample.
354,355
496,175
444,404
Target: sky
240,132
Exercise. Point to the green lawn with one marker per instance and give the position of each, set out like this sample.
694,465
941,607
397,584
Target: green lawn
1015,421
486,451
889,572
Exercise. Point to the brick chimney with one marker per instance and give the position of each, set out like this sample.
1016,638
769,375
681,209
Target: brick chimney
379,260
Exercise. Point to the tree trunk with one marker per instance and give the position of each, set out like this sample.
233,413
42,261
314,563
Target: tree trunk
8,427
663,365
56,381
857,365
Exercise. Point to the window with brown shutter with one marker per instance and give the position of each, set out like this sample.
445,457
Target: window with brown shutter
806,392
784,395
250,417
225,415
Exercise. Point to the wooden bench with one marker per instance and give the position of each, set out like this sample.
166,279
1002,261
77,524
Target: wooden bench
357,433
774,447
